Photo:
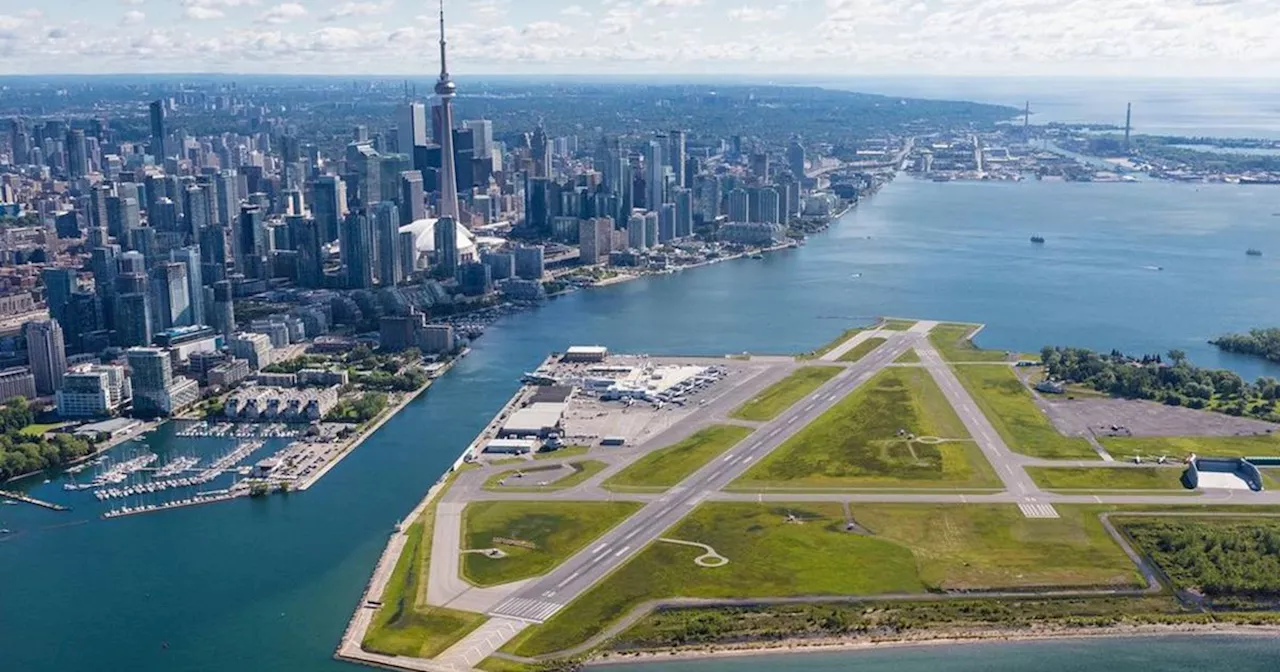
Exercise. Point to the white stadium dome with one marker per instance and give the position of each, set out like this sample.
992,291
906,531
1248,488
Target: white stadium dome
424,237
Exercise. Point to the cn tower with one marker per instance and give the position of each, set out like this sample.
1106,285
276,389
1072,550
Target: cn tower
446,89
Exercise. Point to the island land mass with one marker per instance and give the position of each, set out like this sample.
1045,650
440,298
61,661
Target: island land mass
899,485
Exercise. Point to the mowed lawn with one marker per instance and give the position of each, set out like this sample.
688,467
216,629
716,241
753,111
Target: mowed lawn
1179,447
543,478
1107,478
975,546
773,550
857,442
404,625
666,467
908,357
818,353
553,530
896,325
862,349
1011,409
954,344
781,395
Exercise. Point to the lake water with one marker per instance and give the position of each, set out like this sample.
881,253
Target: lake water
1245,108
269,584
1155,654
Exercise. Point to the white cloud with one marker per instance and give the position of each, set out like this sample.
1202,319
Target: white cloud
283,13
203,10
548,30
489,9
763,36
347,9
132,18
756,15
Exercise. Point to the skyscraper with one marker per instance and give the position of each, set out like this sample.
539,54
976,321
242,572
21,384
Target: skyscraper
77,154
541,149
387,230
158,131
329,206
190,257
482,131
595,239
170,296
47,354
412,203
654,175
305,232
411,127
739,205
795,159
446,246
676,140
223,316
227,201
770,206
195,207
358,250
59,285
684,212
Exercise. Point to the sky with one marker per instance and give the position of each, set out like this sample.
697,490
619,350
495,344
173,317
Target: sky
826,38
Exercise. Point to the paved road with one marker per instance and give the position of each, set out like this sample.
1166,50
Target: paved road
1006,463
541,599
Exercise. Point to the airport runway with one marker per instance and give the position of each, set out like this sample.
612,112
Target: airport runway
541,599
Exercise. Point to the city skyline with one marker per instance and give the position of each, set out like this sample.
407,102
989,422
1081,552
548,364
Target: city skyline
774,37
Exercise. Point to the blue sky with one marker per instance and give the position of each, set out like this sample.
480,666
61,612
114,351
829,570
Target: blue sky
809,37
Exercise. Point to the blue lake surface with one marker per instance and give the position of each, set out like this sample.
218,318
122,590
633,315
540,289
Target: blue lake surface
269,584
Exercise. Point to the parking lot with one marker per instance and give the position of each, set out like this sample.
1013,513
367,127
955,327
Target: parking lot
1122,417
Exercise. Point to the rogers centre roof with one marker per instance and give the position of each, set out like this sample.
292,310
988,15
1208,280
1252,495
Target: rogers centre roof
424,236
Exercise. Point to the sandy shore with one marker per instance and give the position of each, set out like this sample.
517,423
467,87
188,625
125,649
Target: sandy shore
933,638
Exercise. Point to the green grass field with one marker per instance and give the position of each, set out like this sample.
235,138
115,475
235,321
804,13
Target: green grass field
856,443
993,546
40,429
666,467
781,395
908,357
914,548
1107,478
846,335
768,556
952,342
862,349
1178,447
556,531
404,625
578,472
1011,409
897,325
567,451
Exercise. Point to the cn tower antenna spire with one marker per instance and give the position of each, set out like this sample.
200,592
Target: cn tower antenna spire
444,67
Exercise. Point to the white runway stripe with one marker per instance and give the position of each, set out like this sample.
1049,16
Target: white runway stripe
527,610
1038,510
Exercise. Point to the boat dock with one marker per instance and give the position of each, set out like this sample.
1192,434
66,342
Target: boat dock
19,497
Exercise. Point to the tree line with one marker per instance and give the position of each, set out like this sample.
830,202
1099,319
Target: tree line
22,454
1169,379
1218,558
1263,343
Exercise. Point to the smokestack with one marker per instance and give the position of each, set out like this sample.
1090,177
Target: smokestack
1128,124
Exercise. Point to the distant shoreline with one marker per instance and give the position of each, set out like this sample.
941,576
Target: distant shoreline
931,638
